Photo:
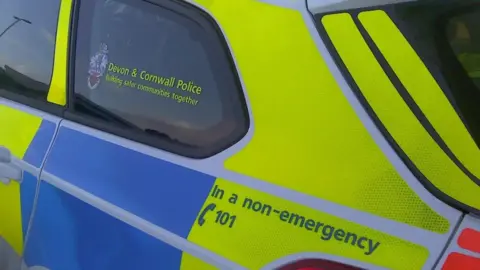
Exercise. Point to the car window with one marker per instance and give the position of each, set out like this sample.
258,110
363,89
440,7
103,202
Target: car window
27,45
160,71
446,37
463,32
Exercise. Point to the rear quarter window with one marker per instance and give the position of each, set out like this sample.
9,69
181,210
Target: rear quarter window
445,35
162,71
463,34
27,44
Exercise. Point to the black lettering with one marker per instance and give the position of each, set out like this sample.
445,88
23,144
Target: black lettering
317,226
247,203
217,192
297,220
351,235
327,232
309,224
339,234
257,206
233,198
284,216
372,247
360,241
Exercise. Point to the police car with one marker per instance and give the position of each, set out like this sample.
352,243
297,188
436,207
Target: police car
242,134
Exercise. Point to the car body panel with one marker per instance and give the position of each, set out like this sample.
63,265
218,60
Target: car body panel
68,233
106,202
96,195
27,133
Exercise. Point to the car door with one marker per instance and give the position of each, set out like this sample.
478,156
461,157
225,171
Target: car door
28,118
24,146
108,199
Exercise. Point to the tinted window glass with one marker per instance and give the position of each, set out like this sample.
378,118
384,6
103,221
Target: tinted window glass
445,34
459,45
27,44
158,71
463,33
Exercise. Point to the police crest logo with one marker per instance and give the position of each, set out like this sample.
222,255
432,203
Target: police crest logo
98,65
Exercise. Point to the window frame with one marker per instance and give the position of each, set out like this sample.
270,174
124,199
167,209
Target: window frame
235,96
455,84
460,85
443,72
42,105
437,72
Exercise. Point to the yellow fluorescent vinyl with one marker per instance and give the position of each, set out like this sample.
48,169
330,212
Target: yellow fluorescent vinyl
190,262
19,130
395,115
306,136
11,215
261,228
58,88
423,88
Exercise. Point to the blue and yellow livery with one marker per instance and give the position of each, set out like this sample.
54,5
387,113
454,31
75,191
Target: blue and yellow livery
246,134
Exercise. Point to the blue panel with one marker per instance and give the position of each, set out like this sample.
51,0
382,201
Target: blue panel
39,146
163,193
27,195
69,234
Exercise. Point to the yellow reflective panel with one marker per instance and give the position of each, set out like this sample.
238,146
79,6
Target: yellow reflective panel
306,135
11,215
395,115
423,88
261,228
190,262
18,130
58,88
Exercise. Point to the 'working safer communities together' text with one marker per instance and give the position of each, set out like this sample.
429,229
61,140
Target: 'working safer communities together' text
188,89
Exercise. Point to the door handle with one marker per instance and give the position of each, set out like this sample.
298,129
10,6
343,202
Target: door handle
8,170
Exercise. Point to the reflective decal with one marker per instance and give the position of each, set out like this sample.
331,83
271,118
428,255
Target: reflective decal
470,239
238,222
98,65
457,261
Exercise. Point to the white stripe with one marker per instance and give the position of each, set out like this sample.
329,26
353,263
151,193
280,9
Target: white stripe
323,6
433,241
26,167
141,224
